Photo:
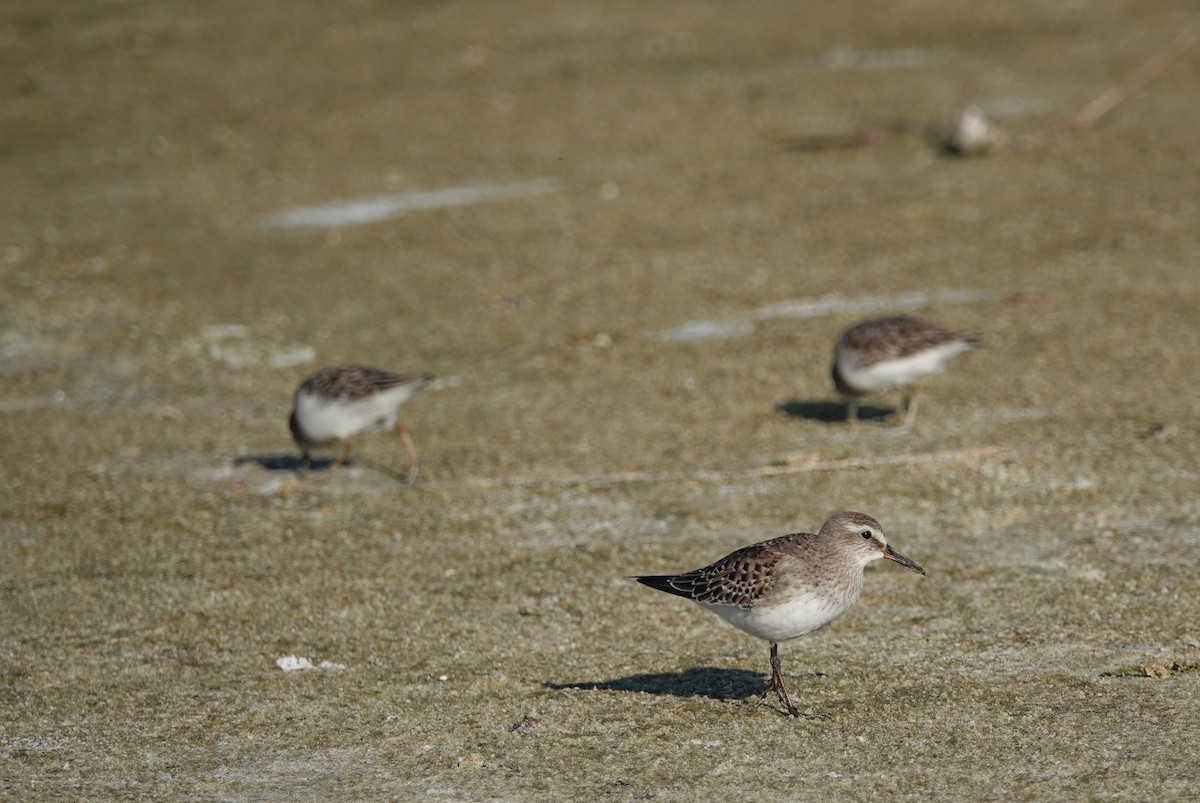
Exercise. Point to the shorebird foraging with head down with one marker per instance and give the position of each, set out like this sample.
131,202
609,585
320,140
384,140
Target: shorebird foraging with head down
893,353
335,404
782,589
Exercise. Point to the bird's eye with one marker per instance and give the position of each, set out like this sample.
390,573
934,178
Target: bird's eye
866,534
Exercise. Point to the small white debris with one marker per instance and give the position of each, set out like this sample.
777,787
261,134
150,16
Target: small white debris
270,488
293,663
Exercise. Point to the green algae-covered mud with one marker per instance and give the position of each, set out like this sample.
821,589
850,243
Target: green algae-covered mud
585,219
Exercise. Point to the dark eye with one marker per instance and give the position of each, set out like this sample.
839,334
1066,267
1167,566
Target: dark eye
866,534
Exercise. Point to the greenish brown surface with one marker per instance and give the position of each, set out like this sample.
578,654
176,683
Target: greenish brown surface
155,560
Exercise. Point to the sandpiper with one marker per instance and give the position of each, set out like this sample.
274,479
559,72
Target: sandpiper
335,404
893,353
781,589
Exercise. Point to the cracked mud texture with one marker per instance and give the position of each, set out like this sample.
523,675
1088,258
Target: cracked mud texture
158,553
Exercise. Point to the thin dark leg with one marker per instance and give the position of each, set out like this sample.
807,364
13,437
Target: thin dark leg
910,408
776,685
305,461
777,682
345,455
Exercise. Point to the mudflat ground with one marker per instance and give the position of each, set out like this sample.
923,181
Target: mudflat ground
629,288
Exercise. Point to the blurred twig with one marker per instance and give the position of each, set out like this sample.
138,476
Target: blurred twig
1091,113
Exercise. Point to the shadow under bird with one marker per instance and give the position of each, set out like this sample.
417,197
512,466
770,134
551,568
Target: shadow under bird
787,587
893,352
335,404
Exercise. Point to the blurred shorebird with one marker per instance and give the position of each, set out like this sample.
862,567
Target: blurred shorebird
335,404
893,352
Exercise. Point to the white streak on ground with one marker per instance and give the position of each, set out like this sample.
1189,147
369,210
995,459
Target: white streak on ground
358,211
695,331
704,330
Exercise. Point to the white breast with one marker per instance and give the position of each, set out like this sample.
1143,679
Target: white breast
325,421
900,371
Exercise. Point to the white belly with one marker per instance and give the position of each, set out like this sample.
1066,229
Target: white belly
787,620
902,371
326,422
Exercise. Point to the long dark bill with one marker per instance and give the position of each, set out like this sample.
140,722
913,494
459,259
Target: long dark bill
892,554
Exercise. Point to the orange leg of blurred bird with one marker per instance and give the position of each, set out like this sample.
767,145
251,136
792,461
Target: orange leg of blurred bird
415,464
910,407
345,455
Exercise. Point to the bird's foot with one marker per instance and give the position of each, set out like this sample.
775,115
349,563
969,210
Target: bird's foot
787,709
